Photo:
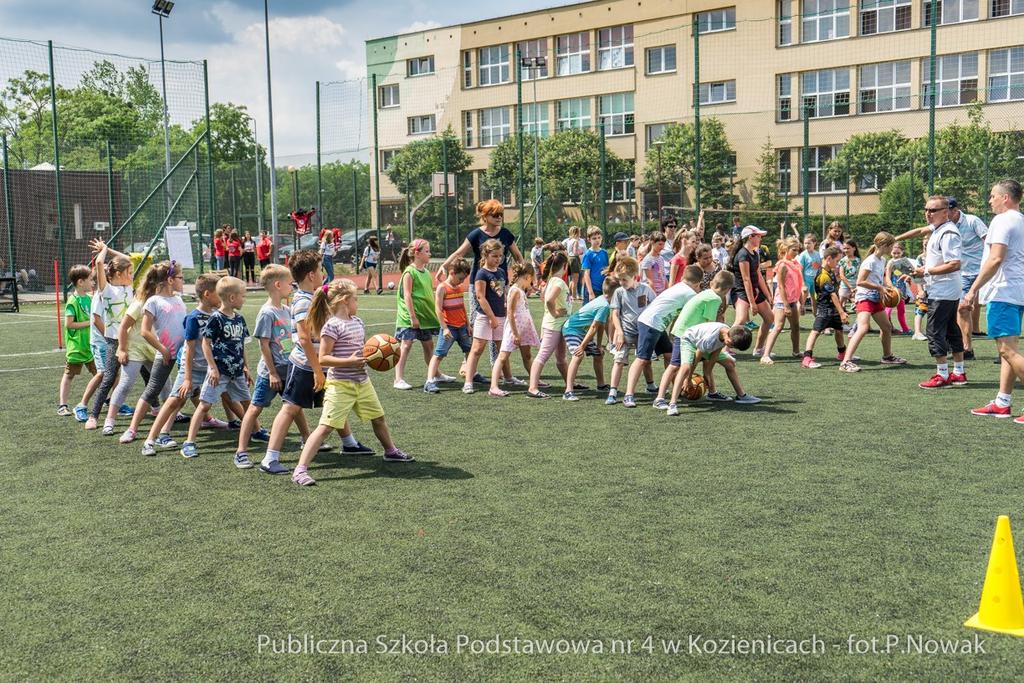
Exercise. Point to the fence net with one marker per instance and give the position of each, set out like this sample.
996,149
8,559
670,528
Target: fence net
109,119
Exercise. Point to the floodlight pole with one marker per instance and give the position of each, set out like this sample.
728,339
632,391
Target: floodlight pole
163,83
259,177
270,113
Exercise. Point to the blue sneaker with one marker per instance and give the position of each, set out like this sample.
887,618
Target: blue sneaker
628,401
261,435
242,461
480,379
358,449
570,396
165,441
273,467
235,424
125,410
81,413
189,450
611,400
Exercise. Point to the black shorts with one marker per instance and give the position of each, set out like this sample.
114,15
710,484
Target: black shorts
738,294
827,322
574,265
298,389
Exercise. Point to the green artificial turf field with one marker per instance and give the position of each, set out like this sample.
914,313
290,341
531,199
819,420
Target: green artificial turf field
843,508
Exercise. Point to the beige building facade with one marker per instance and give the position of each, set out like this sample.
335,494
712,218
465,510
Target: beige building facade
852,67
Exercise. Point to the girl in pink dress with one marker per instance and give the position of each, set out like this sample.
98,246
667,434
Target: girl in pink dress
789,297
519,332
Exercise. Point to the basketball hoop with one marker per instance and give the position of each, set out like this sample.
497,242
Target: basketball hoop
437,185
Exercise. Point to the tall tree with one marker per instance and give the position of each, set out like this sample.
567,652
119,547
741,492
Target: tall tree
570,163
870,159
678,161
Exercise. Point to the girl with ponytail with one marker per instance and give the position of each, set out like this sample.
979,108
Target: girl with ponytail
417,319
870,283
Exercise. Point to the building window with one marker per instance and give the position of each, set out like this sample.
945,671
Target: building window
884,87
817,181
421,125
785,87
716,20
573,52
529,49
661,60
826,93
386,155
420,66
388,96
623,189
884,16
574,113
868,183
956,79
492,65
655,131
717,93
616,112
494,126
467,127
785,11
951,11
535,119
467,69
1006,74
1007,8
785,171
502,194
825,20
615,47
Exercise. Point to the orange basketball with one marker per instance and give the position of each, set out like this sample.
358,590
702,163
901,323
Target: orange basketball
381,352
696,390
890,297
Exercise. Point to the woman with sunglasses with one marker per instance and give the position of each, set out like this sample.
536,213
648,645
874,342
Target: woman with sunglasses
491,213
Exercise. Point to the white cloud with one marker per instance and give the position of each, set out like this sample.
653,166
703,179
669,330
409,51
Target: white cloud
418,26
351,70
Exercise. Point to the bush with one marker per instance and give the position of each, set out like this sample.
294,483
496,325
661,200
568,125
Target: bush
896,212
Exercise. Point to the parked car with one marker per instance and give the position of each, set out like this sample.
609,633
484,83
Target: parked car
287,245
350,251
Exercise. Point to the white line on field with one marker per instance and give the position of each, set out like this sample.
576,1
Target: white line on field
4,323
30,353
45,367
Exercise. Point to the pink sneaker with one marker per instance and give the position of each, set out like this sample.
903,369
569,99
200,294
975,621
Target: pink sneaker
1019,419
214,423
809,363
128,436
992,410
90,423
154,411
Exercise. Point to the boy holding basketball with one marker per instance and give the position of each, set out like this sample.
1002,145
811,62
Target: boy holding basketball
705,342
304,386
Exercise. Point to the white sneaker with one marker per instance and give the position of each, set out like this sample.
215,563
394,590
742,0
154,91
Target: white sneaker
747,399
467,388
401,384
919,337
515,381
672,410
444,378
128,436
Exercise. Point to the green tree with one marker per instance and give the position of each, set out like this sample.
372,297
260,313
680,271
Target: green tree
678,162
870,158
570,162
900,203
503,170
25,118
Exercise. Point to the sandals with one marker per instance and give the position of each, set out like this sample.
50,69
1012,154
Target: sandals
497,394
536,394
303,479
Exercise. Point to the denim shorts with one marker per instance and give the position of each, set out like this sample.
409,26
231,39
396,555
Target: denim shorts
99,354
1004,319
236,388
460,336
967,281
196,377
262,393
651,343
416,334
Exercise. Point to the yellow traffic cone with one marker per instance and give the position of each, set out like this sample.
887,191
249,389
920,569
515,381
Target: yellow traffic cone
1002,607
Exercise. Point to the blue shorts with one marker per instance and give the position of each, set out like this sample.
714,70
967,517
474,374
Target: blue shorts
299,389
195,376
651,343
237,388
262,393
1003,319
99,353
967,281
460,336
415,333
677,354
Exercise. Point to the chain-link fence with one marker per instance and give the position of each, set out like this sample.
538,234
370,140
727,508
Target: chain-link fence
86,154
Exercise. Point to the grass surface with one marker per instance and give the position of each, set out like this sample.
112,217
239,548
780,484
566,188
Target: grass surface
841,506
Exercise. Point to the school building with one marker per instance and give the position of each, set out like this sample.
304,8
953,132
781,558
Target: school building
763,65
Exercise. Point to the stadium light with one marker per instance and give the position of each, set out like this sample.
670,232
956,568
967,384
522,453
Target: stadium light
162,8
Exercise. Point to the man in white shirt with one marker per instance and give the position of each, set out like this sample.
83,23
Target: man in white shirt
972,246
1000,285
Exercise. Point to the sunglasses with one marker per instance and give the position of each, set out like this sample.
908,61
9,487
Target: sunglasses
496,215
941,208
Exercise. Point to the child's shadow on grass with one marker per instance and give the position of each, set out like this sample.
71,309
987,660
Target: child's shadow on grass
373,467
767,405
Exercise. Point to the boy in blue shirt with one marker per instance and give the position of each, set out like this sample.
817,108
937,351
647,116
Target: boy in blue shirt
582,333
594,265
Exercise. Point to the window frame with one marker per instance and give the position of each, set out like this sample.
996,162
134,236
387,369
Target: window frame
567,55
926,12
488,138
818,93
628,123
815,169
784,18
467,69
418,60
940,79
503,195
708,18
817,18
710,89
786,169
420,118
380,96
525,72
786,98
898,90
625,46
467,128
662,49
543,127
502,68
385,156
648,140
626,183
1010,4
588,117
891,6
1008,74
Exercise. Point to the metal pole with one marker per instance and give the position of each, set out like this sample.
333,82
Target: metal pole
110,188
8,209
696,117
259,179
538,213
319,170
805,160
934,98
128,191
659,187
910,196
167,134
295,203
376,179
847,197
444,169
56,163
457,238
520,187
210,181
408,209
270,113
199,211
603,179
355,208
234,200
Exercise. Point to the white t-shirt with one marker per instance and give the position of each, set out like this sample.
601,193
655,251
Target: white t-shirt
666,305
875,267
1007,285
720,254
114,300
943,246
579,249
370,255
96,309
706,337
168,320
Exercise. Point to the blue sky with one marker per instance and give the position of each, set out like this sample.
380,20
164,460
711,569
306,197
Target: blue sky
310,40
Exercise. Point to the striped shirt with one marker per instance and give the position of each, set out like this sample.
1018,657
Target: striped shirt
301,301
453,306
349,337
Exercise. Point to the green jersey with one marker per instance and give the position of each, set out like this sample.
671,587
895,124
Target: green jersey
702,308
422,300
79,309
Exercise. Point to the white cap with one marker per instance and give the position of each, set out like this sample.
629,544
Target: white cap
752,230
